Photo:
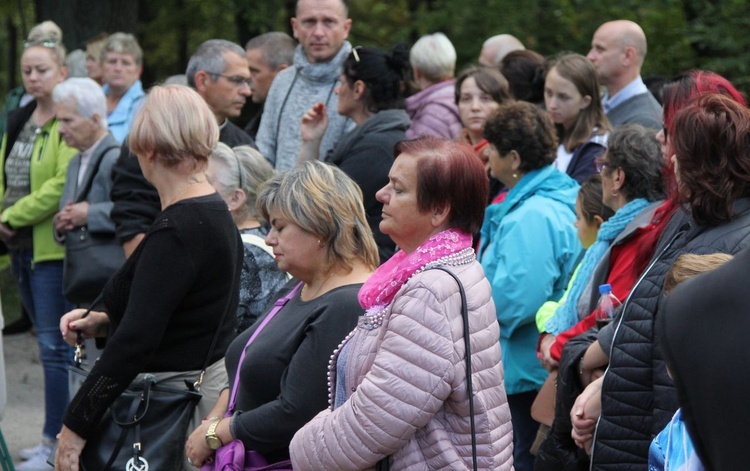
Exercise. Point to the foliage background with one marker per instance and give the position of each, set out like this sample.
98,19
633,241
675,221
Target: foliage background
682,34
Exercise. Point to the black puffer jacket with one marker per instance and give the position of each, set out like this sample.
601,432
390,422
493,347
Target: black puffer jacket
558,451
638,397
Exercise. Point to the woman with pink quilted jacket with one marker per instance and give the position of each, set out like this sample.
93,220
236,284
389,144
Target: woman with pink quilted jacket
397,384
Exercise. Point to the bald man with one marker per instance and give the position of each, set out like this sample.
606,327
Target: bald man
497,47
617,52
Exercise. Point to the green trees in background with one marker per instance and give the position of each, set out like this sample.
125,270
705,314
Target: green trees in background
682,34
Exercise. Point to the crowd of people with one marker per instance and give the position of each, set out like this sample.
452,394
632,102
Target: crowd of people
393,258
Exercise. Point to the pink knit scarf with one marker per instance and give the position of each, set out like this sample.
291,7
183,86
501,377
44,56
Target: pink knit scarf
381,287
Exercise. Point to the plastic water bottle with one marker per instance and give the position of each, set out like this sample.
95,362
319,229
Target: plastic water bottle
605,309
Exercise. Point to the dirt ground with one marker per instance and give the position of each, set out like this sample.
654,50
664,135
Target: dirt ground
24,413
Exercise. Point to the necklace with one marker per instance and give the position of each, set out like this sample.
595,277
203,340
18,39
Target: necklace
184,190
319,287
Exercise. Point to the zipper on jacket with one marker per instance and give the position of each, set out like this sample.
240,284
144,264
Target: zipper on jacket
683,229
45,136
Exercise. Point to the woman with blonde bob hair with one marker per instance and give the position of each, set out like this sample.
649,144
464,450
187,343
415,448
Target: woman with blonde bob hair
320,236
164,307
237,174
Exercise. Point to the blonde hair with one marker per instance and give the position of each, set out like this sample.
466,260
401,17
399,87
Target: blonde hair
689,265
243,166
175,124
322,200
45,30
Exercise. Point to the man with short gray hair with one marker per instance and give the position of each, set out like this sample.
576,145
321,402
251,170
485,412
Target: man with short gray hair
267,55
218,71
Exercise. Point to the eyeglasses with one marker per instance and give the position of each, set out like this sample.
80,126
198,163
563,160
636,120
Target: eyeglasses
46,43
600,165
664,130
235,80
355,54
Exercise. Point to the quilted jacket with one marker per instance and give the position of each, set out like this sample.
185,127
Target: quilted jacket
638,397
407,391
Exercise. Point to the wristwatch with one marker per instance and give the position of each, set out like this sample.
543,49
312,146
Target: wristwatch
212,439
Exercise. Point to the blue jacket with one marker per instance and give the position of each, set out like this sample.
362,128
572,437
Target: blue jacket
120,119
529,250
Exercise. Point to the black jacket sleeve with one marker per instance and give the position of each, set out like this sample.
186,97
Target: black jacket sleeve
136,201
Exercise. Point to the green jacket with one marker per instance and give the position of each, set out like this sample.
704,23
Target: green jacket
49,163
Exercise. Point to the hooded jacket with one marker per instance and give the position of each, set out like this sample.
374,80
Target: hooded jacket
294,91
366,155
433,111
406,382
529,249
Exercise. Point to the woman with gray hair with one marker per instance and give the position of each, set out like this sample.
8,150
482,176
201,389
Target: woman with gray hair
433,110
236,174
122,64
319,235
83,224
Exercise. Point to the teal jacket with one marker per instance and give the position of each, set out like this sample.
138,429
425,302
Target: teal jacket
49,163
529,248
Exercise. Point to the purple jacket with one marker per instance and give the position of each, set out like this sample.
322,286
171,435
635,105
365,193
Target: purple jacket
433,112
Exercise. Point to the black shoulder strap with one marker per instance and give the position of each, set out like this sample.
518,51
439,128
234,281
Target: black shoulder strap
87,185
385,463
467,345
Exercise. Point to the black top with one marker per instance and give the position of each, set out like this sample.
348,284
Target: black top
283,378
165,304
136,202
703,329
366,155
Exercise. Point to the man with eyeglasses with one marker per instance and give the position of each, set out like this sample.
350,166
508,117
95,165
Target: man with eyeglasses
218,71
321,27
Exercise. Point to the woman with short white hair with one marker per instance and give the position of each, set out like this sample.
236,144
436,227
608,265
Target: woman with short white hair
236,173
85,205
432,110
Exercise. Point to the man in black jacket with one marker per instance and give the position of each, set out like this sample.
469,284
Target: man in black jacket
219,72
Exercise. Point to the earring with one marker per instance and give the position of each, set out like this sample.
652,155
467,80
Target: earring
320,243
515,175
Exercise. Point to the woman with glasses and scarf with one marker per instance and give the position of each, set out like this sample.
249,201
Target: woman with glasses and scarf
370,92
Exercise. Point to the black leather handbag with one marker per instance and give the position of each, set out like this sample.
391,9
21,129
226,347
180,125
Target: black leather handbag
146,427
90,258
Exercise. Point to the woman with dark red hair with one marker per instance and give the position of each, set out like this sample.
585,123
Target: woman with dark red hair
707,137
398,383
